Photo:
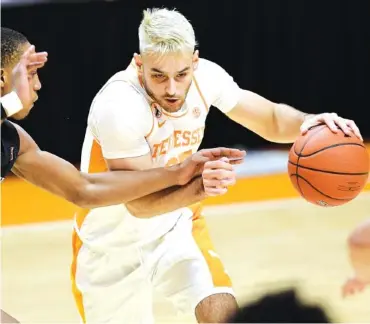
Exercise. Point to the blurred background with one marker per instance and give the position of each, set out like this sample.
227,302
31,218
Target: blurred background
313,55
309,54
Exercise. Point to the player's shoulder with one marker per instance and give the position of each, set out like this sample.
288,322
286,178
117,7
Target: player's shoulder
208,68
118,88
119,103
118,95
210,73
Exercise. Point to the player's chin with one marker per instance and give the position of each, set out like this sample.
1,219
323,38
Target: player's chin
22,114
172,104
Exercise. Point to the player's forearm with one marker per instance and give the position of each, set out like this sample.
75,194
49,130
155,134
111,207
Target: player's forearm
286,123
168,200
117,187
61,178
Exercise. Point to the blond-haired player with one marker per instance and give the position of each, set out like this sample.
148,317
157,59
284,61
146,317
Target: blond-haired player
153,114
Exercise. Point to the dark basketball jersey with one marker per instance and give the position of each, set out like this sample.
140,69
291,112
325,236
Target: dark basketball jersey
9,147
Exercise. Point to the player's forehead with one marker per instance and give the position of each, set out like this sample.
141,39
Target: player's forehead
17,55
168,63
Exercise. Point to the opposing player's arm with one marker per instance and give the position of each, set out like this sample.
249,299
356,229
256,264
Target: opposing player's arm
61,178
162,201
217,175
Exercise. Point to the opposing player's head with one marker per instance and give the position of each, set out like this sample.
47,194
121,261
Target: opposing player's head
13,45
167,57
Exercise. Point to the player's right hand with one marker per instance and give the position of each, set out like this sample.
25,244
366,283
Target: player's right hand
29,62
218,176
193,166
353,286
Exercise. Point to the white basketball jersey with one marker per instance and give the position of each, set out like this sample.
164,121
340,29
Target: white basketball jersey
124,122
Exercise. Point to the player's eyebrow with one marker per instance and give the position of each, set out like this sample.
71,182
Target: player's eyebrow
159,71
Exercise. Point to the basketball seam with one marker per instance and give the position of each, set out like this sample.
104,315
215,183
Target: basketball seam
326,171
328,147
341,199
298,154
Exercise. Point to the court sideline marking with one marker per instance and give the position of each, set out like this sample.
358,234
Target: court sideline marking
209,211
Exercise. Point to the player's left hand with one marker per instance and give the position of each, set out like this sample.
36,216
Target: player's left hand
29,61
333,121
353,286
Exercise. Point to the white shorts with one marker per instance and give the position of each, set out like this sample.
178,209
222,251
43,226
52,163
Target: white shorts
117,286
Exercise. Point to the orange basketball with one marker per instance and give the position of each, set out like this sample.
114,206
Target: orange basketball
328,169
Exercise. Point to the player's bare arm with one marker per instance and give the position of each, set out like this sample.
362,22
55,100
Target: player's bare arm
281,123
100,189
217,175
359,255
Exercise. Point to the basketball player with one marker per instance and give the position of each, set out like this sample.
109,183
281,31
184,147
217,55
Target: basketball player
153,114
359,254
19,153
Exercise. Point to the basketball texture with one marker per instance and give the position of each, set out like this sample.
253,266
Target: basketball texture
326,168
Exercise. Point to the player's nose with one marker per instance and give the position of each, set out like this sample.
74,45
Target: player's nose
171,87
37,85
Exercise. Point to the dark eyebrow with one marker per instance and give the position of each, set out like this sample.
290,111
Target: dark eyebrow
159,71
184,70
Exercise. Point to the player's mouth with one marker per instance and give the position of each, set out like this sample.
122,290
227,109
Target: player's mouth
172,101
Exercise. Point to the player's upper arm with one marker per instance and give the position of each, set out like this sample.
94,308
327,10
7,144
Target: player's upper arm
223,92
244,107
39,167
26,142
120,120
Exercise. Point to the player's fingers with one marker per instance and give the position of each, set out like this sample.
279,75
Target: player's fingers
361,288
236,161
35,66
341,123
28,52
307,125
329,120
217,152
40,57
232,153
218,183
352,125
219,174
215,191
218,164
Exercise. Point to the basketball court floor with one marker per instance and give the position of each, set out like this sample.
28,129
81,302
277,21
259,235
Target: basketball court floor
265,246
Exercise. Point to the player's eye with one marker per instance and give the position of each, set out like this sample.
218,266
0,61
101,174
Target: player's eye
158,76
182,75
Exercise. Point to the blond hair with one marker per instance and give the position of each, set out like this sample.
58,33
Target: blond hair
164,31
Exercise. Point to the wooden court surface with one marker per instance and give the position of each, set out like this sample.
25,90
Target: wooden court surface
265,246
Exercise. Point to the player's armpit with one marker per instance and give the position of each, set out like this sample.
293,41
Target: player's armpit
274,122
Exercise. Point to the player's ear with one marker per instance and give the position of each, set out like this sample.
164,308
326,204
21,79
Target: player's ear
2,79
138,61
195,59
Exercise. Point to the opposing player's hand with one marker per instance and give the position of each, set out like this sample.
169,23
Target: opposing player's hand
218,176
333,121
30,61
353,286
193,165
